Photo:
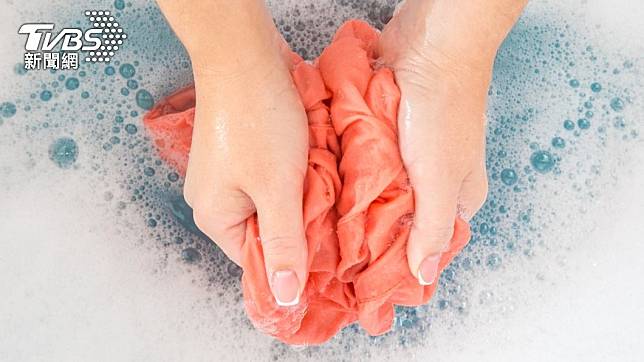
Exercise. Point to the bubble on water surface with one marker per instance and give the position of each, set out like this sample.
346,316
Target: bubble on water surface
493,261
144,99
72,83
617,104
542,161
583,123
127,70
190,255
558,142
63,152
130,128
45,95
509,176
7,109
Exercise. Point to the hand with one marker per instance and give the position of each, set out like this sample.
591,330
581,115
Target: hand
249,154
442,54
249,148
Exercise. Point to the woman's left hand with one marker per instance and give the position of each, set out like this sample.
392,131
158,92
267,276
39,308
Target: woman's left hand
442,53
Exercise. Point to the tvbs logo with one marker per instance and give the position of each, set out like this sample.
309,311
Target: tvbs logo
100,42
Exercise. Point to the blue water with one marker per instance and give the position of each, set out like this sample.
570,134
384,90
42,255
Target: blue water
557,103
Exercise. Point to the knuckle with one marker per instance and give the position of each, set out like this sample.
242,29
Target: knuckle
281,247
436,237
435,168
287,176
286,201
440,235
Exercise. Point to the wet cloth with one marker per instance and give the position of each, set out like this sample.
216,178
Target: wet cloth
358,203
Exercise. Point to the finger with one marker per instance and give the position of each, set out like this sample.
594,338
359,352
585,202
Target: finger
473,193
435,198
222,215
281,228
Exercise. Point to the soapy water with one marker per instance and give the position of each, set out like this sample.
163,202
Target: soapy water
90,204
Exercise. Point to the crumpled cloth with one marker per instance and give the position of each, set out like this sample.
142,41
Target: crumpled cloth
358,202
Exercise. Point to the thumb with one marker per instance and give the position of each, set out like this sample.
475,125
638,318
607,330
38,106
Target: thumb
435,199
281,228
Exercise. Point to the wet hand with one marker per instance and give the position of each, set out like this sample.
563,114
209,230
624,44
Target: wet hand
442,54
250,137
249,155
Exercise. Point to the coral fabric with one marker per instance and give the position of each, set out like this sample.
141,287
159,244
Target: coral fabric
358,203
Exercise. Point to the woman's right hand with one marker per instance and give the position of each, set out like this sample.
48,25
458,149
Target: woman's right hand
249,149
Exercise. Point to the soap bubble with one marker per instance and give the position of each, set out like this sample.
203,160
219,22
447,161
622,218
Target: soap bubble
144,99
583,123
558,142
7,109
190,255
130,128
617,104
127,70
542,161
45,95
509,176
493,261
72,83
63,152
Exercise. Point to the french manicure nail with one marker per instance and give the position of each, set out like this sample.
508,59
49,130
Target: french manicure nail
286,288
428,270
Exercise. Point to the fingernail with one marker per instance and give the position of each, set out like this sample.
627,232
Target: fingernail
286,288
428,270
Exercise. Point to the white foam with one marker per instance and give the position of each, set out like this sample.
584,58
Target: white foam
84,279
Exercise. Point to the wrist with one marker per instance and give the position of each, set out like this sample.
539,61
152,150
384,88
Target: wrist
224,37
459,34
234,54
229,83
240,62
